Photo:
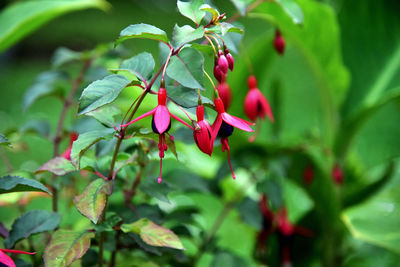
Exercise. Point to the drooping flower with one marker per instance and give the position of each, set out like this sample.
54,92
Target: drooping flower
6,260
161,123
223,63
255,103
202,133
279,43
225,94
229,57
67,153
223,127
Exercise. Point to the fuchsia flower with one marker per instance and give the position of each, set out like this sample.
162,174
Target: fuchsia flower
67,153
279,43
161,123
203,133
6,260
223,127
229,57
225,94
308,174
255,103
221,66
337,174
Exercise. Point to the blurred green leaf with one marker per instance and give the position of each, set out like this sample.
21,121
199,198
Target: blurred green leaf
249,211
45,84
101,92
106,115
20,19
64,56
65,247
9,184
296,199
158,191
242,5
187,68
190,9
4,141
214,13
32,222
292,9
58,166
40,127
153,234
142,65
93,199
186,34
143,31
224,258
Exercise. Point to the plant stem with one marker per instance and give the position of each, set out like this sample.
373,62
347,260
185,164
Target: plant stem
67,103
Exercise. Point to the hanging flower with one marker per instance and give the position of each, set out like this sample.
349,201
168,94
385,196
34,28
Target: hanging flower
229,57
6,260
255,103
202,133
160,124
225,94
67,153
279,43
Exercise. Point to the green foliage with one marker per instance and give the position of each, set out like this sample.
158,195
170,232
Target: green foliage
144,31
9,184
191,9
4,141
58,166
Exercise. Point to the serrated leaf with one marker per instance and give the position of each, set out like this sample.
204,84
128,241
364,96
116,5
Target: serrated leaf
45,84
142,65
186,97
293,10
190,9
85,141
4,141
213,11
187,68
241,5
92,201
58,166
9,184
106,115
153,234
143,31
64,56
101,92
19,19
186,34
66,247
32,222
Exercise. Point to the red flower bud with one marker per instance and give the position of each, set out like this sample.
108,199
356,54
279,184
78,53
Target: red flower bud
337,174
223,63
202,133
279,43
308,175
252,81
255,103
218,74
67,153
229,57
225,94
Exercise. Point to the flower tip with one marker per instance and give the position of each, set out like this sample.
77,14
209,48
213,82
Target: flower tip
159,180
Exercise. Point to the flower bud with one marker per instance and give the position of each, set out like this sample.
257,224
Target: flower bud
225,94
255,103
202,134
223,63
308,174
337,174
279,43
229,57
218,74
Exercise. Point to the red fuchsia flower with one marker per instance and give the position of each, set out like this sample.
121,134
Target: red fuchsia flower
161,123
308,175
67,153
229,57
223,63
279,43
223,127
6,260
255,103
337,174
202,133
225,94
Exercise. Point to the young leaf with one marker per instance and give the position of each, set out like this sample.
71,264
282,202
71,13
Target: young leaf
58,166
45,84
64,56
32,222
22,18
102,92
9,184
65,247
186,34
4,141
85,141
92,201
142,65
153,234
187,68
106,115
213,11
293,10
191,10
143,31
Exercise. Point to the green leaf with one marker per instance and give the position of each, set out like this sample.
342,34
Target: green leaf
190,9
224,27
20,19
213,11
64,56
101,92
186,34
143,31
142,65
85,141
45,84
156,190
4,141
292,9
58,166
186,97
296,199
32,222
153,234
106,115
242,5
187,68
92,201
65,247
40,127
376,221
9,184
